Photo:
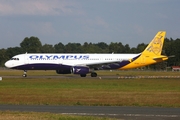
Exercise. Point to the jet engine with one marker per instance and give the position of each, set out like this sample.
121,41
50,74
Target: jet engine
65,71
80,70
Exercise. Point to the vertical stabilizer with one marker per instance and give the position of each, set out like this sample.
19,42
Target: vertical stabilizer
155,46
151,55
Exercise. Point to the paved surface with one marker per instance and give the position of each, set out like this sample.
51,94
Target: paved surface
99,77
138,113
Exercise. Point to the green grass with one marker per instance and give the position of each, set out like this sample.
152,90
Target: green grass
71,90
8,115
88,91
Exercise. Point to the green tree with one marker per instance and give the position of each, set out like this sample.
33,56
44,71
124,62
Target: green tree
91,48
175,51
113,47
117,47
31,45
168,50
10,52
6,54
47,48
141,47
103,47
73,48
85,47
59,48
133,50
3,57
127,48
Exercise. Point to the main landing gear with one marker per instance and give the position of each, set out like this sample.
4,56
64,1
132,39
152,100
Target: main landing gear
25,73
93,74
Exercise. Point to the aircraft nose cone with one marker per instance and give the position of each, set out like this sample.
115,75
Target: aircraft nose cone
7,64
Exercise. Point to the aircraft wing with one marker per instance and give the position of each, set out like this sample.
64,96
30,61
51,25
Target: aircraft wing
109,65
102,65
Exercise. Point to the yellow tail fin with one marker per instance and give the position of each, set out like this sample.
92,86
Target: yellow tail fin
151,55
155,46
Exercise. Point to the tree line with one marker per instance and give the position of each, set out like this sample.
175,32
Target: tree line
34,45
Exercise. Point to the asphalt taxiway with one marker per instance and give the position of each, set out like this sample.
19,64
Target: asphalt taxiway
103,111
99,77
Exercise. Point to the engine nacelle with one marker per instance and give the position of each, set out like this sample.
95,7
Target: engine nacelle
80,70
68,71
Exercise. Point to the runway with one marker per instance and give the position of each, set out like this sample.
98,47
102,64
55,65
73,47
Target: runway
102,111
99,77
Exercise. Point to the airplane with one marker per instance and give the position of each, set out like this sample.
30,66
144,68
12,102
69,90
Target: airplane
82,64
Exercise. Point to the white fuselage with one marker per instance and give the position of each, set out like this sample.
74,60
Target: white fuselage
70,59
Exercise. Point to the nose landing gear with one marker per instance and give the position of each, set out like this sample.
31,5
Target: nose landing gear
25,73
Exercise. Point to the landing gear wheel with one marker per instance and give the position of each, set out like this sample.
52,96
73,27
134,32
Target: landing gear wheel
83,75
25,73
93,74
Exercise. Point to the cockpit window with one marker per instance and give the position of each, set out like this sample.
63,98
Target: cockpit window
14,58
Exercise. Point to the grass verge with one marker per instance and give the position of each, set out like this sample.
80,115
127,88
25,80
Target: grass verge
96,92
8,115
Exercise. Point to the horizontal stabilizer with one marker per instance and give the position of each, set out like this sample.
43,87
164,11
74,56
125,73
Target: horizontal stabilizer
171,56
159,57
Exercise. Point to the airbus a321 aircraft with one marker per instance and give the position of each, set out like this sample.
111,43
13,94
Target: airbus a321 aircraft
83,64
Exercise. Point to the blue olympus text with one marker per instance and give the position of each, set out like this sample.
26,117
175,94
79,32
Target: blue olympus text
59,57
